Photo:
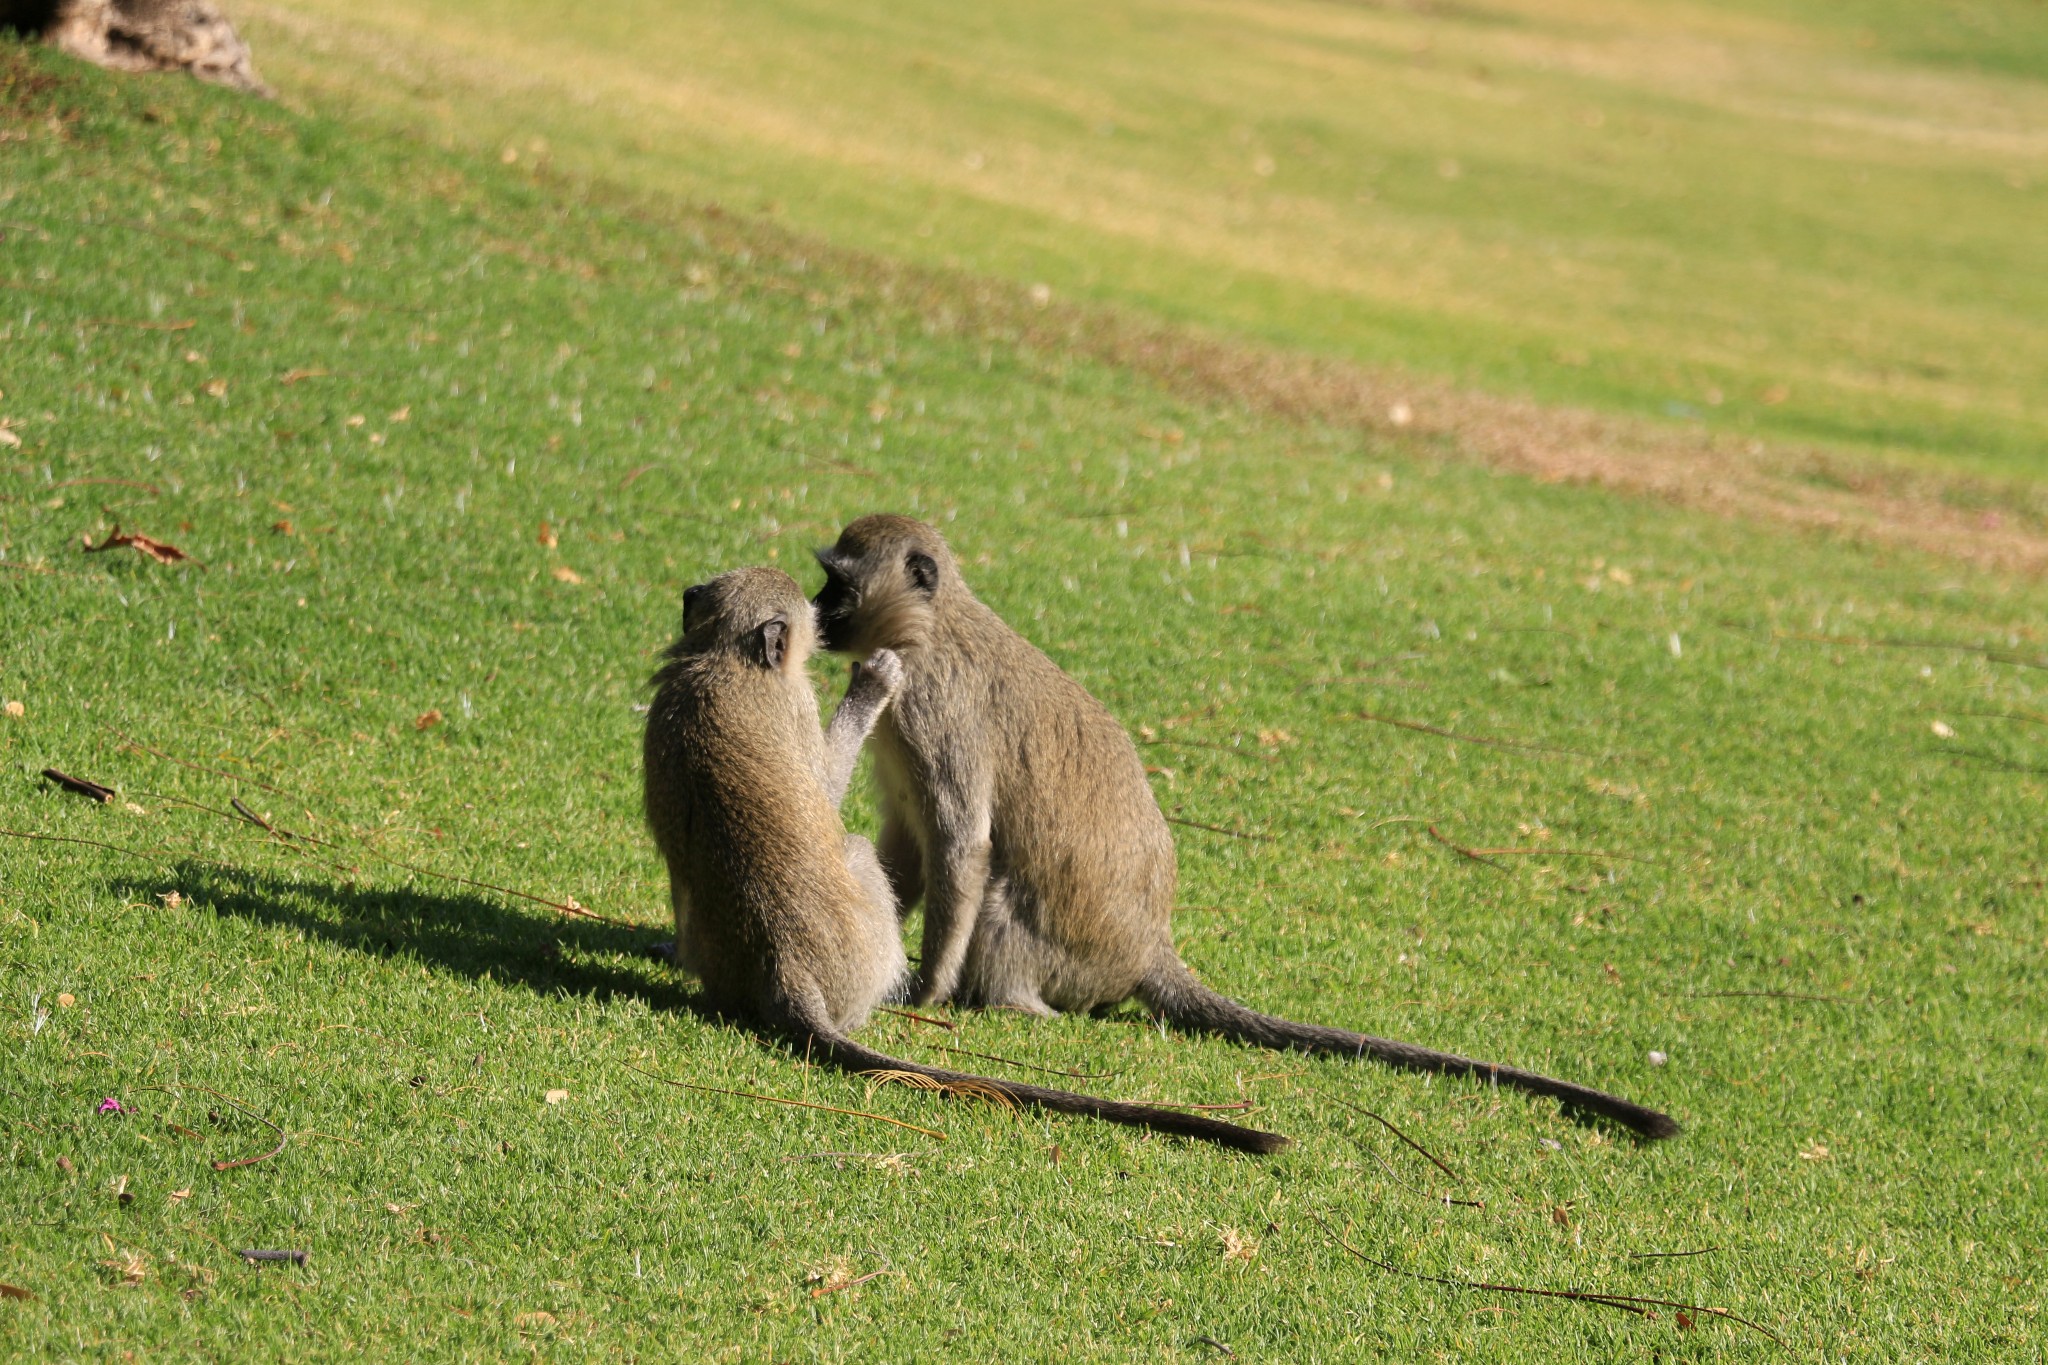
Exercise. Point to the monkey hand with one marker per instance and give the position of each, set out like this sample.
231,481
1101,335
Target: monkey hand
883,669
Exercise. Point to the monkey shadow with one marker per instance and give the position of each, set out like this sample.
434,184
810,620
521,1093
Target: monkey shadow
455,932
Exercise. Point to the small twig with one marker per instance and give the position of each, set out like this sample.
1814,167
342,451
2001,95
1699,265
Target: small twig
847,1156
259,1254
1462,851
79,785
630,479
1671,1255
1442,733
1234,1107
794,1104
158,856
135,743
1048,1070
1211,1341
1561,853
822,1290
1388,1124
148,488
181,325
282,1136
251,816
1218,829
1767,995
921,1018
1627,1303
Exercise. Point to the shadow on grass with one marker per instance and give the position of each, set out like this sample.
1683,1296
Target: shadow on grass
461,933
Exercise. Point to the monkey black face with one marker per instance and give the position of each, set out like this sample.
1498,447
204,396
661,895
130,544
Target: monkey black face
834,605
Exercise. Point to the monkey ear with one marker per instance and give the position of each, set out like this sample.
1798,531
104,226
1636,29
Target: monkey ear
774,635
924,571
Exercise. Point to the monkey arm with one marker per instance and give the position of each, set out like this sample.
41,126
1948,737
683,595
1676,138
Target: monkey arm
872,684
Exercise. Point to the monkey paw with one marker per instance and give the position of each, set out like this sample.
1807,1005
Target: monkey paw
886,668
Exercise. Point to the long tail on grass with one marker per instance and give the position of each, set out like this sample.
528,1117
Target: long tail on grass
1172,991
809,1016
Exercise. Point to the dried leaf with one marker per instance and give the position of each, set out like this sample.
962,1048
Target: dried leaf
15,709
65,1000
160,551
180,1196
427,720
14,1291
294,376
556,1096
547,536
1943,730
563,573
538,1321
8,438
216,388
1814,1151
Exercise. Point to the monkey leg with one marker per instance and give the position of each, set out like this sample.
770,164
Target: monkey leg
902,858
956,883
1006,959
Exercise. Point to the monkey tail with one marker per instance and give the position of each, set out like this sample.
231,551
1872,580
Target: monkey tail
1172,991
809,1016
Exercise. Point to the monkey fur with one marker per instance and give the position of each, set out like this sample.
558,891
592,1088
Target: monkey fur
1017,808
783,916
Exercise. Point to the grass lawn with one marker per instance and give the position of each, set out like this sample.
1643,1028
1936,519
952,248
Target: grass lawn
445,440
1805,223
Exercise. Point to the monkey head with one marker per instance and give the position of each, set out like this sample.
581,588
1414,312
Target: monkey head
882,577
757,613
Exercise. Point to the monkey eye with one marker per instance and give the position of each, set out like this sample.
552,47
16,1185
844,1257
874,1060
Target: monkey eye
690,596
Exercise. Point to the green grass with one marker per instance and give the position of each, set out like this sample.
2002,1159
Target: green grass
1816,223
672,394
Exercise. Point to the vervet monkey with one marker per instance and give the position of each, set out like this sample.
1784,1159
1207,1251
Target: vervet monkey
784,916
1017,808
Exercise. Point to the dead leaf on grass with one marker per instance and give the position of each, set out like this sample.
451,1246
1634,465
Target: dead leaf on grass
547,536
1814,1151
427,720
556,1096
294,376
564,574
161,551
15,1291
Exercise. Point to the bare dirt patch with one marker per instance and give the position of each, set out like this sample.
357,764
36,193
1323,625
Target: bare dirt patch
1991,524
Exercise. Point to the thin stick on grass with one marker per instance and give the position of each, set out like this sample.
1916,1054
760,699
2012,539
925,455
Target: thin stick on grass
1766,995
1218,829
1627,1303
298,1258
921,1018
1442,733
794,1104
1048,1070
180,325
822,1290
282,1136
148,488
79,786
1671,1255
1388,1124
1464,852
135,743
